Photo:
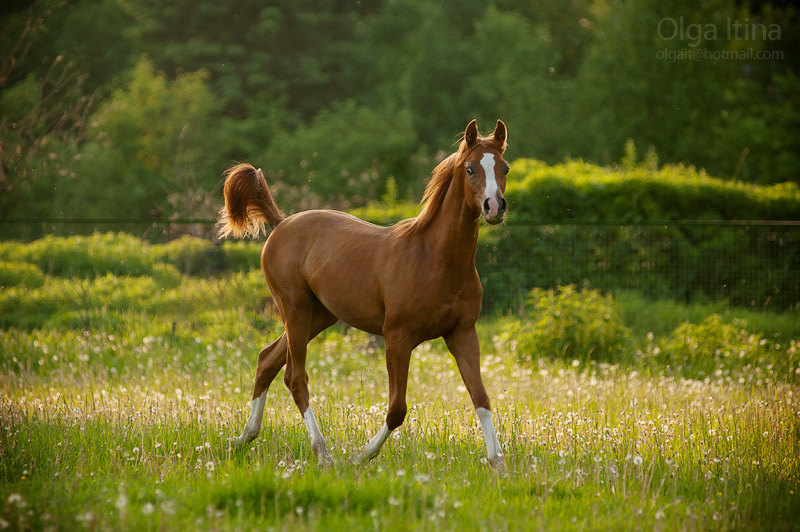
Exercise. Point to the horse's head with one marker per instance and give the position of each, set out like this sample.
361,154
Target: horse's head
486,171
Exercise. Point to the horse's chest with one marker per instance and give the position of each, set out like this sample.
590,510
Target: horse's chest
438,307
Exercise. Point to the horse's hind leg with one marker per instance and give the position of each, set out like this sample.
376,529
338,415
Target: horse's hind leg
299,321
270,361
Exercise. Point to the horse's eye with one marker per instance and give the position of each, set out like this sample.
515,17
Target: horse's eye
470,171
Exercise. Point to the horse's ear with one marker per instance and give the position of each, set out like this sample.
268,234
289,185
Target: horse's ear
471,133
500,134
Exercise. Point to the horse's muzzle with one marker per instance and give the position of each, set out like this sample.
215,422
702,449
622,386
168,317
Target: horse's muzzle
494,211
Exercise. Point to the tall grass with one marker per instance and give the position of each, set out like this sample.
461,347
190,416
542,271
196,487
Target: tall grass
123,421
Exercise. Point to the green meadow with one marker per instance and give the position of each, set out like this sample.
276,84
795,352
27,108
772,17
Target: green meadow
126,367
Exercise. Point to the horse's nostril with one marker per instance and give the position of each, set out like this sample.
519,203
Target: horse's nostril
503,204
486,205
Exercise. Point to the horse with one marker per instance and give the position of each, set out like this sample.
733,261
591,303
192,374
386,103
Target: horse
410,282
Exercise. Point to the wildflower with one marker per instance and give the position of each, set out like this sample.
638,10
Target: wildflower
17,500
86,517
637,460
147,508
122,502
393,501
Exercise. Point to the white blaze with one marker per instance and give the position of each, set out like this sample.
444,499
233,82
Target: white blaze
490,191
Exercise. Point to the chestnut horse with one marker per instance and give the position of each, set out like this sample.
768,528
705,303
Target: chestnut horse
412,282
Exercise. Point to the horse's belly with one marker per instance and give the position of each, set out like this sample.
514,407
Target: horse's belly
353,304
356,315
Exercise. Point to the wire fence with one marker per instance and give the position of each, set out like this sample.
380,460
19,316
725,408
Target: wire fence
744,263
749,263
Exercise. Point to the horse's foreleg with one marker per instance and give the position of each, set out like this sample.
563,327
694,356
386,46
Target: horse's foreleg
464,346
398,356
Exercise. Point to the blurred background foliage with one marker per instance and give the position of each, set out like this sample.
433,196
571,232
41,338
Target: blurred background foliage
134,107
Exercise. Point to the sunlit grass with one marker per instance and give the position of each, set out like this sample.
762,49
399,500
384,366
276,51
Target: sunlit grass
130,430
122,383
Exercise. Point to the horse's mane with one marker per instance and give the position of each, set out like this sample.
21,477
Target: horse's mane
437,187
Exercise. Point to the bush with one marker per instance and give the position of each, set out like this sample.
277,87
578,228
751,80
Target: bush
570,324
576,190
711,346
20,274
582,222
84,256
192,255
242,255
102,278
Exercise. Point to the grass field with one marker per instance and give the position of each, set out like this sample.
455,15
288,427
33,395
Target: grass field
117,413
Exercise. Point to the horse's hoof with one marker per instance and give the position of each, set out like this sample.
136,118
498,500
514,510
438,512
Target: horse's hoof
361,459
322,454
244,438
498,463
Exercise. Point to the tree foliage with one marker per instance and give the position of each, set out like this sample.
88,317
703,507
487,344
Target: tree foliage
137,106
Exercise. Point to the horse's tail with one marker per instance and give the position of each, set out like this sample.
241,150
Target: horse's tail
248,203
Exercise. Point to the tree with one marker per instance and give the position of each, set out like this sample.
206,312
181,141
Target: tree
149,145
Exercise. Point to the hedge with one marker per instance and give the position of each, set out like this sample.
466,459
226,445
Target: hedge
576,190
628,228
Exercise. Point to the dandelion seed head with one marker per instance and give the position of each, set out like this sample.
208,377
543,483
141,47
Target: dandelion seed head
122,502
15,499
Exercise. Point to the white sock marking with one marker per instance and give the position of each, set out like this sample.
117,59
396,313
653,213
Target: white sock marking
493,450
311,426
374,445
253,426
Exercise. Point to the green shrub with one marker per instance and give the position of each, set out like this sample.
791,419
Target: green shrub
386,213
580,222
20,274
242,255
570,324
711,346
192,255
576,190
84,256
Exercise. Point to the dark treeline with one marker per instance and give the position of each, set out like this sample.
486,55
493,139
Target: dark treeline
134,107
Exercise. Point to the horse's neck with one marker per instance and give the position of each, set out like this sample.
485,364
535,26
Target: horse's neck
454,229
